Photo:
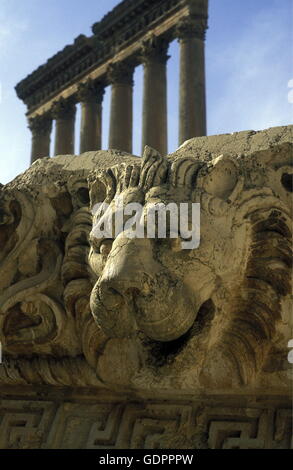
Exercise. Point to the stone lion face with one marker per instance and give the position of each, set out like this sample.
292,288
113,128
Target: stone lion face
144,283
153,286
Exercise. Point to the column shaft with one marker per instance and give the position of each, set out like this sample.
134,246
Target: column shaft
64,113
64,137
121,120
91,126
41,130
192,107
155,130
91,97
40,146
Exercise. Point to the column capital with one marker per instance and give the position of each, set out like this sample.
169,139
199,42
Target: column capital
41,124
90,91
63,108
154,48
190,27
120,73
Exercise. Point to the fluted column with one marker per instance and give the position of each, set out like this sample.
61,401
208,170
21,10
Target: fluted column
91,96
40,126
154,58
64,111
192,108
120,75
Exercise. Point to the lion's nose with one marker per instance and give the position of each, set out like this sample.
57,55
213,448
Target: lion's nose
129,270
112,308
116,291
128,266
123,278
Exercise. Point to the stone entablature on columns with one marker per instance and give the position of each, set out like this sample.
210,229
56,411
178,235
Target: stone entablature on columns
134,32
154,58
90,95
192,108
88,57
40,126
120,76
63,111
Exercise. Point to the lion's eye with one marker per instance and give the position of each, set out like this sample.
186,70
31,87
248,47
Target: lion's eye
105,247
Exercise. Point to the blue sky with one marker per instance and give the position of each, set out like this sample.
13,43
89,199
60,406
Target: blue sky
249,57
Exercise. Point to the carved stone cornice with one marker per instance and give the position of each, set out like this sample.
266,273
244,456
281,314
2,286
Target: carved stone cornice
120,73
154,49
90,91
40,124
58,276
63,109
192,27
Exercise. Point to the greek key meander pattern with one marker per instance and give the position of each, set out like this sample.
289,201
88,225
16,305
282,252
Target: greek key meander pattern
40,424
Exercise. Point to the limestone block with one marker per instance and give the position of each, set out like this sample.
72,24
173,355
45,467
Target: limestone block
159,345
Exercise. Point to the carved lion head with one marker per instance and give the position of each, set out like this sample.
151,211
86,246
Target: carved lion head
227,292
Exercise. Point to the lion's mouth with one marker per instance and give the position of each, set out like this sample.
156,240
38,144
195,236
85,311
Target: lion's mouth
164,310
166,314
164,353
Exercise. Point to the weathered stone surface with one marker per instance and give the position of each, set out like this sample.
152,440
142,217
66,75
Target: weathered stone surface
185,348
44,282
237,143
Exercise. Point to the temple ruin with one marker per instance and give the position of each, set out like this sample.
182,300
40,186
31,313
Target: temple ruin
137,343
133,33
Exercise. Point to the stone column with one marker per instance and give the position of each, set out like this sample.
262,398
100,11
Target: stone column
120,75
192,108
154,58
64,111
41,126
91,96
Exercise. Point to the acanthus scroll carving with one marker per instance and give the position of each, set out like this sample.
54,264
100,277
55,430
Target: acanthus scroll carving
90,91
120,73
190,27
154,49
63,108
41,124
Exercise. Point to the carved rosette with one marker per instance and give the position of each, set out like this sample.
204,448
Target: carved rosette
63,108
154,49
120,73
40,124
192,28
90,91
